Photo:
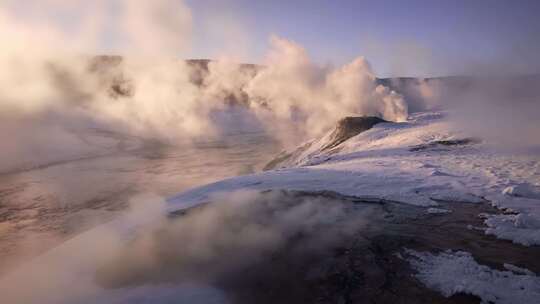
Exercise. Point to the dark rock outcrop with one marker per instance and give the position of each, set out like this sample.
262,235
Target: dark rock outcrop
438,144
349,127
345,129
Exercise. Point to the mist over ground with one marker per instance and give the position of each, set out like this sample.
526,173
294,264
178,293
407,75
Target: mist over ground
55,95
191,252
145,116
161,100
61,92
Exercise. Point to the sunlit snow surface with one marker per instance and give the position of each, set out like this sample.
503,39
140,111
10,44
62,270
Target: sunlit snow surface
379,164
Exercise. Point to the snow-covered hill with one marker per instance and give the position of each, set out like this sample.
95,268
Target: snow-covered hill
325,145
420,162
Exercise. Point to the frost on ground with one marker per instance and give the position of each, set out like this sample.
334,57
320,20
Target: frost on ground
454,272
382,164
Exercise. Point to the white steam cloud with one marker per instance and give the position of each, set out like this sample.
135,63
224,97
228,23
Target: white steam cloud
51,95
144,256
158,27
503,110
297,90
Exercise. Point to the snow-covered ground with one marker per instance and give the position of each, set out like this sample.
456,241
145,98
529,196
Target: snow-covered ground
420,162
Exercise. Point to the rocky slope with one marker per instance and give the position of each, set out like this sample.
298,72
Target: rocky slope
327,144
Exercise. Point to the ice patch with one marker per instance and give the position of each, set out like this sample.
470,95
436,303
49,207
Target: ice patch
454,272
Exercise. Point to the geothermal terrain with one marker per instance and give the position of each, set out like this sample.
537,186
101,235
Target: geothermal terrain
424,194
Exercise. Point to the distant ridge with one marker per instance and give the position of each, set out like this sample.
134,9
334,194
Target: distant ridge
512,87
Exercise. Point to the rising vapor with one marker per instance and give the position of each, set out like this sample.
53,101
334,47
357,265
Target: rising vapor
55,88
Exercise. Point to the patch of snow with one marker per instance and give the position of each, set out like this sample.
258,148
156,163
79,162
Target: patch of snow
522,190
371,185
521,228
518,270
453,272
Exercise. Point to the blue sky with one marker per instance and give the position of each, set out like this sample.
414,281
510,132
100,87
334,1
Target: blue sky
400,37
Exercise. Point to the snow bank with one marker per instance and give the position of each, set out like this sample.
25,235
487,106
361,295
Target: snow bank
521,222
520,228
523,190
453,272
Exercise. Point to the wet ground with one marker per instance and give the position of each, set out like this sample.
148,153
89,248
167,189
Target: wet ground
44,206
363,265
